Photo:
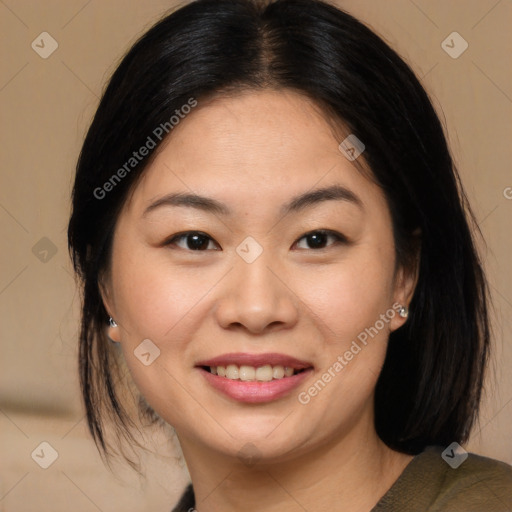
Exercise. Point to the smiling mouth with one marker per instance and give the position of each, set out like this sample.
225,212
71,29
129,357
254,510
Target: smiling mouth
255,378
265,373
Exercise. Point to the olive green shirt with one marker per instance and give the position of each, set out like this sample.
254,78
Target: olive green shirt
430,484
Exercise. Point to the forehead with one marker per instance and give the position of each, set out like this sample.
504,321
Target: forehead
256,145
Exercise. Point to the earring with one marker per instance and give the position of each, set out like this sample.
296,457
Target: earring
112,322
403,311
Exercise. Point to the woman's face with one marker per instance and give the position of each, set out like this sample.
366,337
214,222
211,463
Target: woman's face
259,286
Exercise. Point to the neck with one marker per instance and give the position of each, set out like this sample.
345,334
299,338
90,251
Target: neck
355,471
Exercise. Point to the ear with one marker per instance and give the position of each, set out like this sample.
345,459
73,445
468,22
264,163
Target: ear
406,279
104,286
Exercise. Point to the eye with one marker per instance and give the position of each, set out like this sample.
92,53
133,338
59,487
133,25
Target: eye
199,241
194,240
318,239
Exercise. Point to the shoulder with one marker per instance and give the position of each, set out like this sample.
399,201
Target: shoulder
444,479
481,483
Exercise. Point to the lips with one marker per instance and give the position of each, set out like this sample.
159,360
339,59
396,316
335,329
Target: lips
256,360
254,390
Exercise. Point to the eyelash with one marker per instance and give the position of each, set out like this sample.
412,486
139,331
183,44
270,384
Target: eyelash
338,237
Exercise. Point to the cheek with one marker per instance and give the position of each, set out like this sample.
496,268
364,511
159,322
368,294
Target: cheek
348,304
166,304
350,296
158,299
163,304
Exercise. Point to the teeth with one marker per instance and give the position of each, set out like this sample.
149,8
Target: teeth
249,373
232,371
264,373
278,372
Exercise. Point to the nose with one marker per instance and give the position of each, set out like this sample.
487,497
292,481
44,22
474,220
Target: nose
256,298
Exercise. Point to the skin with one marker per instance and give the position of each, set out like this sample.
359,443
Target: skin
254,152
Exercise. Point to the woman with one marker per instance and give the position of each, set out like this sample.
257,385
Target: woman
269,228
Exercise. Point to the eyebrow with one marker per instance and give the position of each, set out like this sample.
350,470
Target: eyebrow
295,205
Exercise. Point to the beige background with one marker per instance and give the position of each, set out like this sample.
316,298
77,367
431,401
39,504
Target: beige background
46,107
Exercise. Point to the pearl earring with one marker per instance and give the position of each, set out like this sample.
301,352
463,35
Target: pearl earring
403,311
112,322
